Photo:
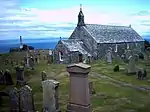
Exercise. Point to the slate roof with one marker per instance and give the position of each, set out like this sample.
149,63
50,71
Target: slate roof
112,34
74,45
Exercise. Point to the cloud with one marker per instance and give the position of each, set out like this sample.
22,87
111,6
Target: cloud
35,23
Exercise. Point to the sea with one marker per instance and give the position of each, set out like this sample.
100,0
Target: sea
43,43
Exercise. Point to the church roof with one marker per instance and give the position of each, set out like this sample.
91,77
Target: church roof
112,34
74,45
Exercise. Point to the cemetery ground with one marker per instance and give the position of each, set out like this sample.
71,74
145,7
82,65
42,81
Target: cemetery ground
110,96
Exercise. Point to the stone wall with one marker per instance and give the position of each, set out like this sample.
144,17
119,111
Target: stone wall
80,33
68,57
63,49
101,48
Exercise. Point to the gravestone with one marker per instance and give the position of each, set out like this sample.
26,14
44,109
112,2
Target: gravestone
136,58
8,78
79,95
117,58
50,57
26,60
2,78
26,99
131,65
128,53
123,57
48,96
36,59
89,59
14,99
109,56
145,55
31,63
43,75
20,75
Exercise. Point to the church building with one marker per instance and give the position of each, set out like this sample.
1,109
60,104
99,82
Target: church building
91,41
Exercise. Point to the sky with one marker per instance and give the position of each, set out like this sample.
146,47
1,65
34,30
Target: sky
58,18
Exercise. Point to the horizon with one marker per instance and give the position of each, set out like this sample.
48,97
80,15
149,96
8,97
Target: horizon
56,18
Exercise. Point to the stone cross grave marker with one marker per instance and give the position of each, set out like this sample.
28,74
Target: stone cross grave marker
26,99
48,96
79,95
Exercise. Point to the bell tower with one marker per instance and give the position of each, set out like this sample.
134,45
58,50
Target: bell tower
81,17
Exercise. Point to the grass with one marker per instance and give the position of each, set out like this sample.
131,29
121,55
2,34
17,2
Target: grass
109,97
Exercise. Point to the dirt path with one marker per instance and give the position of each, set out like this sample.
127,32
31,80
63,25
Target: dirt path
141,88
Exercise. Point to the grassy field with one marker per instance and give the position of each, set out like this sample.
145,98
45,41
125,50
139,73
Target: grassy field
109,97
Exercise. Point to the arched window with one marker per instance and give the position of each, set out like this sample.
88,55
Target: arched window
60,56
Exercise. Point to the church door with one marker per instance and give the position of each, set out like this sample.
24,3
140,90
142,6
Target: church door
80,58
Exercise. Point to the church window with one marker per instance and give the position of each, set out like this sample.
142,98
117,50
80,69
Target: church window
116,48
60,56
127,45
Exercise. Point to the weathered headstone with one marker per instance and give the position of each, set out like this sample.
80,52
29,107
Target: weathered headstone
26,60
20,75
31,62
128,53
36,59
43,75
79,95
136,58
123,57
50,57
89,59
117,58
8,78
48,96
2,78
109,56
26,99
131,65
14,99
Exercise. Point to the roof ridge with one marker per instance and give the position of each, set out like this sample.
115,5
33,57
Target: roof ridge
109,25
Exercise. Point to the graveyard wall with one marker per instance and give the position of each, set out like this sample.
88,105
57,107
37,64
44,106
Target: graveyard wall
102,48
